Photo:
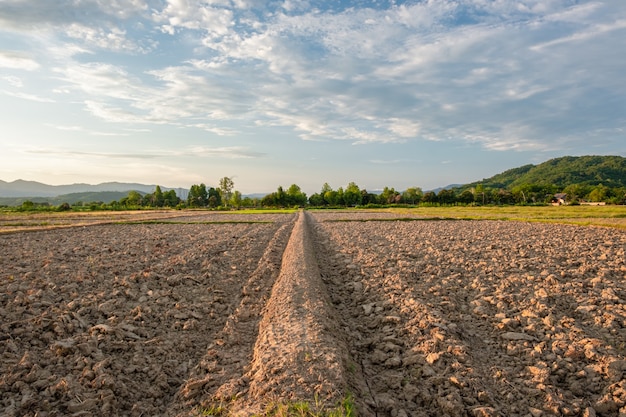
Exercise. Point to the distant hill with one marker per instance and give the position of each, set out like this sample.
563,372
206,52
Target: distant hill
72,198
22,188
561,172
447,187
16,192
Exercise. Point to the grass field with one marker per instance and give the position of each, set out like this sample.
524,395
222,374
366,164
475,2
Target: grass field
607,216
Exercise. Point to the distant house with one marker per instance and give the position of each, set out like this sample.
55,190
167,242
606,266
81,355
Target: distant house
559,199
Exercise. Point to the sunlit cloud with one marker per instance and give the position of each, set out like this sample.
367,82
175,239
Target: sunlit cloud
27,96
83,154
17,60
230,152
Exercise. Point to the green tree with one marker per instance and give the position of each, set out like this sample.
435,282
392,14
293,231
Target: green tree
198,196
214,198
599,193
466,197
249,202
236,199
325,189
133,199
389,196
170,199
352,195
316,200
576,192
412,195
295,196
333,198
429,197
368,198
226,189
158,198
479,194
446,197
28,205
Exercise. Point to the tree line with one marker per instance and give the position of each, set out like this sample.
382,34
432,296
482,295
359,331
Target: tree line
225,197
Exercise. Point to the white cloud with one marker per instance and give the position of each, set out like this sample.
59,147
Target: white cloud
67,128
101,80
112,38
17,60
27,96
195,15
14,81
231,152
404,128
113,114
586,34
123,9
220,131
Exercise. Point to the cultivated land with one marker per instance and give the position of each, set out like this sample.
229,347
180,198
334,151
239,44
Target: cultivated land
199,313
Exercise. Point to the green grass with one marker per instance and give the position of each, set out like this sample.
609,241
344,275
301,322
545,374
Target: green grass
261,211
304,409
607,216
192,222
22,224
345,408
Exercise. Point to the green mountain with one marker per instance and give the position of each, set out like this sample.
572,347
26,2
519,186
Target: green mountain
559,173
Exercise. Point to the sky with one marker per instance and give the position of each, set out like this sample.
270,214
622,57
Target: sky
382,93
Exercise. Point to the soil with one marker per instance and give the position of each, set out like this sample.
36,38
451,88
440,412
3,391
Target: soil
185,317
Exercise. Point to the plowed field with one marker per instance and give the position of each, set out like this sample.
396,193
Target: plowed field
220,314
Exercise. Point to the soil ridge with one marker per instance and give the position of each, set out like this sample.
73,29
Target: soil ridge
219,376
298,355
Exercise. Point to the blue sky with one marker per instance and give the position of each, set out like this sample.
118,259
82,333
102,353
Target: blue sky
382,93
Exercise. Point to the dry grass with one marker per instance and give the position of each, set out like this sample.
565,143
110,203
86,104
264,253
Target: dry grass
606,216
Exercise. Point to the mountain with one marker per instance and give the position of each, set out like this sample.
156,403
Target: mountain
560,172
447,187
21,188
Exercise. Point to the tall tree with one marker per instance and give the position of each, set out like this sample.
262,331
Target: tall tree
133,199
352,195
214,198
226,189
412,195
158,197
198,196
170,199
236,199
295,196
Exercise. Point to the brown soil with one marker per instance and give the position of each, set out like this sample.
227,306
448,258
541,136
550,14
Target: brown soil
413,318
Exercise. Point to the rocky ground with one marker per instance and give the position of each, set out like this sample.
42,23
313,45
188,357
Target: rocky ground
212,313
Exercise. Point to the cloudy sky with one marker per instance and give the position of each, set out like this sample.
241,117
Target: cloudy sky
381,92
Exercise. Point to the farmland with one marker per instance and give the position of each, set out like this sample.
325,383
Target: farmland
399,313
